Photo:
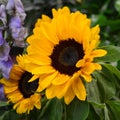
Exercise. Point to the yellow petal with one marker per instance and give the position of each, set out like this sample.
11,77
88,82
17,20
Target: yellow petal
35,100
99,53
50,92
8,83
30,66
14,96
38,52
48,32
92,45
85,44
79,89
62,31
34,78
87,77
46,80
22,106
64,10
43,69
60,79
10,89
42,60
88,68
80,63
95,34
46,18
62,89
43,45
69,96
97,66
57,90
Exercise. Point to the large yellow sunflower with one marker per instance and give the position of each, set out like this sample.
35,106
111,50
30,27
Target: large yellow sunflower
19,91
62,51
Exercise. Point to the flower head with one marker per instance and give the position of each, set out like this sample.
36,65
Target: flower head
62,52
19,91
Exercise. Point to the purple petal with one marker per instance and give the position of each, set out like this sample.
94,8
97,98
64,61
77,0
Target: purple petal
1,38
16,8
5,67
19,34
4,51
10,5
17,31
15,22
20,9
2,95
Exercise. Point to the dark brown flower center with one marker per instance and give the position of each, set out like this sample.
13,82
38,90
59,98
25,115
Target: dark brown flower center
25,87
65,56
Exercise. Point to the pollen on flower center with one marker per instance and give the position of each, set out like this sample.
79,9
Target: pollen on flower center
25,87
65,55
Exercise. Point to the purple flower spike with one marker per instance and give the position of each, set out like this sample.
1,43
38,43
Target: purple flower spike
16,8
3,16
18,32
2,95
5,67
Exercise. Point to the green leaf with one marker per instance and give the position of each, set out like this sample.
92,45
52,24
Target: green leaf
2,114
2,103
93,93
118,64
53,110
113,69
113,54
97,105
114,111
106,85
116,74
77,110
92,114
102,86
11,115
94,98
106,113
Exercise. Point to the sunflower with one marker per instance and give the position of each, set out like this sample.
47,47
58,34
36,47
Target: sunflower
19,91
62,50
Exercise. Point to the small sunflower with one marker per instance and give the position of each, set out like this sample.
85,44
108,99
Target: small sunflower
19,91
62,51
